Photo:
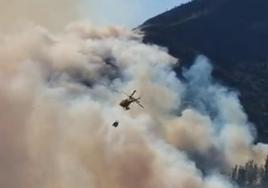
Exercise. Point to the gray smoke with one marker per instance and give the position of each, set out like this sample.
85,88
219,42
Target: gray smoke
58,101
54,14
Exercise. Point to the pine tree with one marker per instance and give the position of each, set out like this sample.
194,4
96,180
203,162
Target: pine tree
241,176
251,172
234,173
265,174
260,175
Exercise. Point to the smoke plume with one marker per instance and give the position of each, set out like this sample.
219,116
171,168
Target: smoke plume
54,14
59,97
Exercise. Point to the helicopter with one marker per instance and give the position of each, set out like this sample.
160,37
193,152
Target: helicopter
126,102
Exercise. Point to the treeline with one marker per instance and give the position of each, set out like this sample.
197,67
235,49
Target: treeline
251,175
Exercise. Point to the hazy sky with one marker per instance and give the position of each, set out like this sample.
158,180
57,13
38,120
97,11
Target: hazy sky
129,13
56,14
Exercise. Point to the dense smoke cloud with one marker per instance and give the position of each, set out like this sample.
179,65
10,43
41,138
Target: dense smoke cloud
55,14
49,13
59,97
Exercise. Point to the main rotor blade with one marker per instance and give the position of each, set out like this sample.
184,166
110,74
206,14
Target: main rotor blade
121,92
133,93
138,103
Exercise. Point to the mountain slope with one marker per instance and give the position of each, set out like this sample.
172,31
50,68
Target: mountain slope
233,34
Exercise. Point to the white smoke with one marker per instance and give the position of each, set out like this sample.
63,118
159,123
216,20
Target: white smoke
55,14
59,98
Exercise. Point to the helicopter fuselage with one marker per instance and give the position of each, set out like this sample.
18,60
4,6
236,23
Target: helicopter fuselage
125,103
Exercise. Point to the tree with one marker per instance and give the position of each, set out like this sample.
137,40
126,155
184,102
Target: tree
234,173
241,176
265,173
251,173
